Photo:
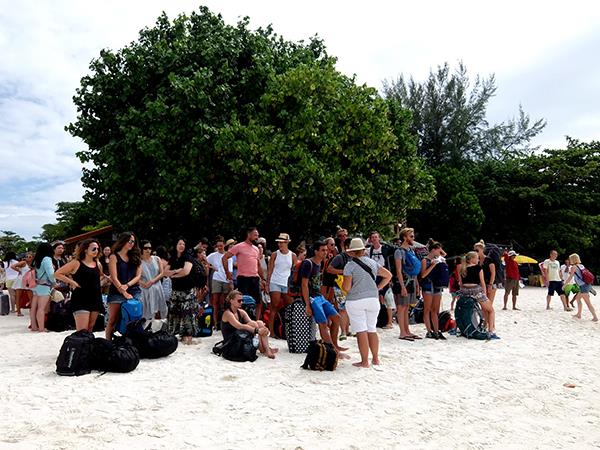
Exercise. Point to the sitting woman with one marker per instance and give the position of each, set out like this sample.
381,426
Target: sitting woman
235,318
472,284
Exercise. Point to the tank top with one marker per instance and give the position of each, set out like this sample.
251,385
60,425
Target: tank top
227,329
472,276
282,268
88,278
125,272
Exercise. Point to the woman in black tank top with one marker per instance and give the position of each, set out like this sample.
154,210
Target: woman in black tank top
235,318
82,274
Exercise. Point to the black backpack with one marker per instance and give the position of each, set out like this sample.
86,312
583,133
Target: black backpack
60,318
320,356
118,355
416,312
239,347
150,345
382,317
469,319
75,356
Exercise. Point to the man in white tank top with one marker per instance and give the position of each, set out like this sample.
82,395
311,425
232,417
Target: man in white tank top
280,267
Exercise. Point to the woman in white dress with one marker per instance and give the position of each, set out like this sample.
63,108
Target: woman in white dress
153,296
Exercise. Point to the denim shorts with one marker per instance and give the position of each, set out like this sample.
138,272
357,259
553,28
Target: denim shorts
432,290
322,309
585,288
118,298
274,287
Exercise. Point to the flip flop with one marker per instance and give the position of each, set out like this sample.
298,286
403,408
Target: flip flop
406,338
414,336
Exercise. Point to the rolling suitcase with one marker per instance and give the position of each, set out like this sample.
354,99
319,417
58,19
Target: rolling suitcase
4,305
299,328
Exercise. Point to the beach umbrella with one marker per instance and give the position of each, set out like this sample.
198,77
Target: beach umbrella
522,259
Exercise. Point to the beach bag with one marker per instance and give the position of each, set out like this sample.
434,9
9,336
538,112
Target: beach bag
299,328
382,317
320,356
469,319
205,326
75,356
59,318
150,345
249,305
131,310
416,312
586,276
445,321
278,322
440,275
29,280
239,347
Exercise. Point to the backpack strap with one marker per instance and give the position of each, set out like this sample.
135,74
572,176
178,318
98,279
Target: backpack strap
364,267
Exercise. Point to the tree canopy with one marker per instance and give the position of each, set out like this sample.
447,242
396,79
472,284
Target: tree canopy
199,126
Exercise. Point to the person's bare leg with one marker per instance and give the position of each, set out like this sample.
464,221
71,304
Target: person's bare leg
565,303
344,322
514,302
390,322
374,347
82,321
586,299
113,314
273,309
92,321
548,299
491,293
579,305
363,348
335,329
435,311
400,312
33,314
41,311
427,303
506,293
12,298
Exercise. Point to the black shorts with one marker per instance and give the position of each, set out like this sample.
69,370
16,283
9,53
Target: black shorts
250,286
555,286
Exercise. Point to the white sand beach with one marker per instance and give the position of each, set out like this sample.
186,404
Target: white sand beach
463,394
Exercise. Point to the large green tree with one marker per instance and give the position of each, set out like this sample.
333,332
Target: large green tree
202,127
449,118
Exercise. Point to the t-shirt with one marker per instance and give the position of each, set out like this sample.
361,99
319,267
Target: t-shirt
553,268
309,269
340,261
472,276
363,285
183,283
247,259
487,271
215,259
400,254
564,269
376,255
512,268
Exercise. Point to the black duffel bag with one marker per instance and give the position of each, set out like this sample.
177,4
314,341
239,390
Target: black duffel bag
149,344
238,347
118,356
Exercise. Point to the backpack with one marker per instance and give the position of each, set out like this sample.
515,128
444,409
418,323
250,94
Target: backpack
60,318
131,310
197,274
294,281
440,275
75,356
416,312
119,355
411,265
205,325
321,356
469,319
29,279
382,317
249,305
445,321
239,347
586,276
150,345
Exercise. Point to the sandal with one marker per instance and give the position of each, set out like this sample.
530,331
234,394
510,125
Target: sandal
406,338
414,336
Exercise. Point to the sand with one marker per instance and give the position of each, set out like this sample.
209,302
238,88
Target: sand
430,394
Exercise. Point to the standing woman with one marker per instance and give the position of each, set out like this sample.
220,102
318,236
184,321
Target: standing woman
153,296
83,274
23,295
44,274
105,259
11,276
184,304
489,270
164,256
362,301
280,268
125,268
576,276
432,295
473,285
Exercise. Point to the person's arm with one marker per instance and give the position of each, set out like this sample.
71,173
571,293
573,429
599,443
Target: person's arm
294,259
492,274
347,283
427,270
235,323
112,270
331,269
261,273
572,271
136,279
271,266
226,256
304,289
161,271
400,275
17,266
482,281
386,277
63,273
184,271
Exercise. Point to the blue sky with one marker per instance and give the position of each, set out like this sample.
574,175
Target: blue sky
544,56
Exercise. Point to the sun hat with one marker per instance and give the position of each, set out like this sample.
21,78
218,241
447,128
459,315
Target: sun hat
513,253
356,244
229,242
283,237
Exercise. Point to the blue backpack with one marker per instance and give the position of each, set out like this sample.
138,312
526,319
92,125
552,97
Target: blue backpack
411,265
131,310
440,275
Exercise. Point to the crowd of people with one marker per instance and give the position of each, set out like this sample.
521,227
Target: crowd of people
342,282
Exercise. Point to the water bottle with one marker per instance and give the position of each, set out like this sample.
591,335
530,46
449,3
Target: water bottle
255,341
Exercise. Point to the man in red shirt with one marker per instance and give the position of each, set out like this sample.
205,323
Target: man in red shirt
250,279
511,284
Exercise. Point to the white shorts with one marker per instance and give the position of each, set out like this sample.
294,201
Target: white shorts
363,314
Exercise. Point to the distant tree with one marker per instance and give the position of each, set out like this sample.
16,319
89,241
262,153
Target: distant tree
11,241
203,127
449,118
73,218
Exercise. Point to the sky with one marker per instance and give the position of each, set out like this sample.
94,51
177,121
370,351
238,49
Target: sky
544,57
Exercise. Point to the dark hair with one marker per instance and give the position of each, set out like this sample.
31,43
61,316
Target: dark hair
219,238
347,242
43,250
317,245
162,253
250,230
433,245
300,249
134,253
175,246
144,242
374,232
83,246
204,240
10,256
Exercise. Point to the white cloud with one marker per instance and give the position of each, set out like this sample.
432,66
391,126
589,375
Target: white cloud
46,48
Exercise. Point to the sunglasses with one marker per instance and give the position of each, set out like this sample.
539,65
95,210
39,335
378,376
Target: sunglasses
94,249
240,301
147,248
131,241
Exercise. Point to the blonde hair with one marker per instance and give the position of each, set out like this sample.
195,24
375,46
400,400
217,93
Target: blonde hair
479,244
466,260
574,259
405,231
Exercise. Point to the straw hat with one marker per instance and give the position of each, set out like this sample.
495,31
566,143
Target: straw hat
355,245
283,237
229,242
